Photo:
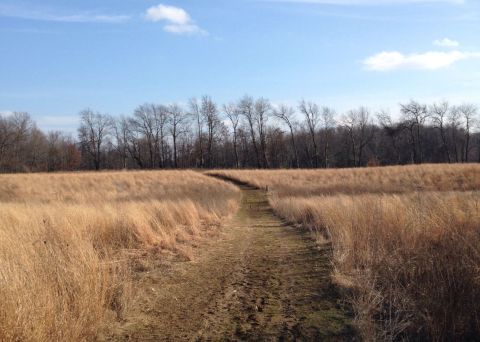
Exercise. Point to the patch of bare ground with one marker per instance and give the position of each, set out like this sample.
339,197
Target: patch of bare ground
260,280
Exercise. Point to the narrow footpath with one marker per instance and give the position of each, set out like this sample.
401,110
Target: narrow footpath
262,280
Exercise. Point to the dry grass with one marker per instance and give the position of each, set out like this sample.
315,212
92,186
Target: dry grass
392,179
66,240
406,242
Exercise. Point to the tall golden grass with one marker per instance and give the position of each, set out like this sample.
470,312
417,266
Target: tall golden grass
406,242
65,242
392,179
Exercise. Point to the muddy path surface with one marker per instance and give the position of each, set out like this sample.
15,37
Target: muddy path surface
262,280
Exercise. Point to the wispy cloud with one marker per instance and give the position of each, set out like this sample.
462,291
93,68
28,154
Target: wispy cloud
446,42
48,15
369,2
58,120
432,60
176,19
5,113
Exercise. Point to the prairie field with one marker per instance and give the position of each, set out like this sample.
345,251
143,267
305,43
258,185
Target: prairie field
320,181
401,244
404,241
393,179
67,242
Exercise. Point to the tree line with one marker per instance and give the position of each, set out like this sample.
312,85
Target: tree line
248,133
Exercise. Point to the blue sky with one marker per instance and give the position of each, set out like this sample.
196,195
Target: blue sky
59,57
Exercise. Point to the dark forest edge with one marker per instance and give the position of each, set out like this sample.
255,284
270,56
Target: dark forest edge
248,133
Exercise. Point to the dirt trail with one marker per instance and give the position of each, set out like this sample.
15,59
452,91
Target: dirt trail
262,280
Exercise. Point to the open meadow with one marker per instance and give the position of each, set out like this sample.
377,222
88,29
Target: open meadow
405,242
250,170
69,241
382,253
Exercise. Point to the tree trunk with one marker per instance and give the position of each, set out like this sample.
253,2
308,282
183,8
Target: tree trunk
175,164
235,148
255,147
294,146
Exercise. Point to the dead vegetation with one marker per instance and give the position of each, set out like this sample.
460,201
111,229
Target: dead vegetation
392,179
405,240
67,240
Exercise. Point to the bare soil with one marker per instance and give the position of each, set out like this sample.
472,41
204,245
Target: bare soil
262,279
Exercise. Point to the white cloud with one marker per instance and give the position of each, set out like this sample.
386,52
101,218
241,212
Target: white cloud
183,28
58,120
176,19
46,15
446,42
432,60
5,113
173,14
65,123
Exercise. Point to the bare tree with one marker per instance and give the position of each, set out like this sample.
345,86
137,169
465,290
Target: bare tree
197,116
33,154
357,122
176,119
161,118
247,108
13,130
54,151
454,121
94,128
157,136
415,115
144,122
311,113
393,131
233,114
210,115
438,113
262,111
468,112
120,128
243,136
134,144
328,124
70,155
287,115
